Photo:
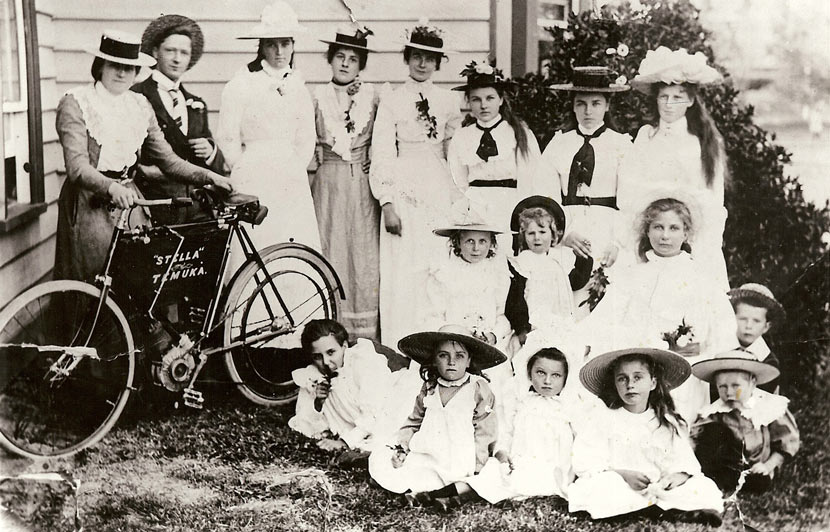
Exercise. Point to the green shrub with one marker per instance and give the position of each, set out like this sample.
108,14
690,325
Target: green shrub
773,236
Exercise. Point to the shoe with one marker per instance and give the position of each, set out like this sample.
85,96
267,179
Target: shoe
446,504
417,499
706,517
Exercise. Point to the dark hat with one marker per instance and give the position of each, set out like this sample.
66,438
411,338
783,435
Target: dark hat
426,37
158,28
483,75
121,47
758,295
420,347
351,38
735,361
544,202
592,79
676,369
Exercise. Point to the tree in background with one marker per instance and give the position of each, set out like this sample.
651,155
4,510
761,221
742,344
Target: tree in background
773,235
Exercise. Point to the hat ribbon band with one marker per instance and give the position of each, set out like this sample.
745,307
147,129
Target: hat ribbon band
349,39
119,49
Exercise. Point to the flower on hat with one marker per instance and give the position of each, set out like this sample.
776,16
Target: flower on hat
622,49
622,80
484,68
675,67
473,69
424,29
610,51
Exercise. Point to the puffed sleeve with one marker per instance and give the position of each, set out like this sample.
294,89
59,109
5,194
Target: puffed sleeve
305,137
72,133
620,228
485,424
458,169
374,381
157,149
415,419
784,435
228,134
630,183
384,149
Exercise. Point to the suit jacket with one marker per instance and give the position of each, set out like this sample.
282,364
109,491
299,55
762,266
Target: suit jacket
197,127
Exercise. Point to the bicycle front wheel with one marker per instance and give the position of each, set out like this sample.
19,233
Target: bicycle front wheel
66,369
297,285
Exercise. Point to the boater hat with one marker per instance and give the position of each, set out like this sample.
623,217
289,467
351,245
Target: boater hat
278,20
758,295
544,202
673,68
465,218
735,361
594,374
426,37
351,38
159,29
483,75
592,79
420,347
122,48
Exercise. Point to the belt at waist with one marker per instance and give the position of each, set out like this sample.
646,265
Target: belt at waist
606,201
421,147
358,156
126,173
500,183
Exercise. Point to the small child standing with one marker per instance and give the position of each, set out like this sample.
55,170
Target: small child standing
534,452
541,293
634,454
756,311
746,428
452,429
345,398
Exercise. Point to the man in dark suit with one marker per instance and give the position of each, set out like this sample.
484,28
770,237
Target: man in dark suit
176,42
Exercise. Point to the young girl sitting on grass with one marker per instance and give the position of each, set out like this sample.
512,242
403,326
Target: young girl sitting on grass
534,449
451,431
634,455
541,293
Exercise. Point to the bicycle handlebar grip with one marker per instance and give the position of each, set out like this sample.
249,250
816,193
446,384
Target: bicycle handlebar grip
181,202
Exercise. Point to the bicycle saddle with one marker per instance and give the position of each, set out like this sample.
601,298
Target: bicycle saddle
246,205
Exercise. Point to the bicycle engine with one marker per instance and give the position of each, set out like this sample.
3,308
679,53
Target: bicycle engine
176,366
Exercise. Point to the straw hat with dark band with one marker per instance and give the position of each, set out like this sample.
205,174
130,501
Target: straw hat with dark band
483,75
423,37
357,41
122,48
591,79
675,368
758,295
544,202
465,218
421,346
160,28
735,361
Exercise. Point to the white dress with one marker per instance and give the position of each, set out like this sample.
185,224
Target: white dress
548,292
539,445
654,297
446,442
618,439
668,158
471,173
266,132
409,170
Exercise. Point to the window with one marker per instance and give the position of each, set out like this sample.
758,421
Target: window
21,137
550,14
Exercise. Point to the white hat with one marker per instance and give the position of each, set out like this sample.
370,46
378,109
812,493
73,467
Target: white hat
278,20
121,47
673,68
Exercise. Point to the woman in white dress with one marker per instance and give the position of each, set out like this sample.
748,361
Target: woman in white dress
411,180
266,131
681,149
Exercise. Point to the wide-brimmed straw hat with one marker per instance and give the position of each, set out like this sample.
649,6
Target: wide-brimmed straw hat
675,368
544,202
354,38
673,68
421,346
278,20
760,296
483,75
736,360
426,37
121,47
466,218
159,27
592,79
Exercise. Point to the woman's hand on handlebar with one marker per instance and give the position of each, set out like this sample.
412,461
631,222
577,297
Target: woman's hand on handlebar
123,197
221,182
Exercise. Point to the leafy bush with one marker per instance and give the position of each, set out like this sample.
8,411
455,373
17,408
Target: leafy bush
773,236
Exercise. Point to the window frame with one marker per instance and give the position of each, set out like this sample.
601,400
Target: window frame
18,214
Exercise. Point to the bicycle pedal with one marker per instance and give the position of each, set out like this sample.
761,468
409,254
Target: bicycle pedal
193,398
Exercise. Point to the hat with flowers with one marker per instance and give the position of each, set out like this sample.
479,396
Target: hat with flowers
483,75
673,67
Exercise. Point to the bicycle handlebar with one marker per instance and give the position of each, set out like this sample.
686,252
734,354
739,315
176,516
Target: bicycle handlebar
175,202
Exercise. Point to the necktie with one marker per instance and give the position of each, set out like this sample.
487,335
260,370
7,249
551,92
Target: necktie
582,166
177,108
487,145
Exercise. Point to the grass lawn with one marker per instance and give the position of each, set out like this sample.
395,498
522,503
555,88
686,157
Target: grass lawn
236,466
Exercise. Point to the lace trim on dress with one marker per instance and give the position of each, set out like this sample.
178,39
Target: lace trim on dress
334,117
761,409
115,123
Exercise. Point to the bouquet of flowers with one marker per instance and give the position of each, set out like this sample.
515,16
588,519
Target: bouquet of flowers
423,115
596,288
681,340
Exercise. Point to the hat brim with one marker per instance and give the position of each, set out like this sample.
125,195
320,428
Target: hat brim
487,228
549,204
275,32
442,51
420,347
570,87
157,27
705,370
143,60
643,84
675,368
347,45
506,84
751,296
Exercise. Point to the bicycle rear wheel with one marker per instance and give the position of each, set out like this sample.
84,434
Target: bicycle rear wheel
55,400
310,290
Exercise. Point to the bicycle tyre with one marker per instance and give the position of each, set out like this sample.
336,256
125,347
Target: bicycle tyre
310,289
43,419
